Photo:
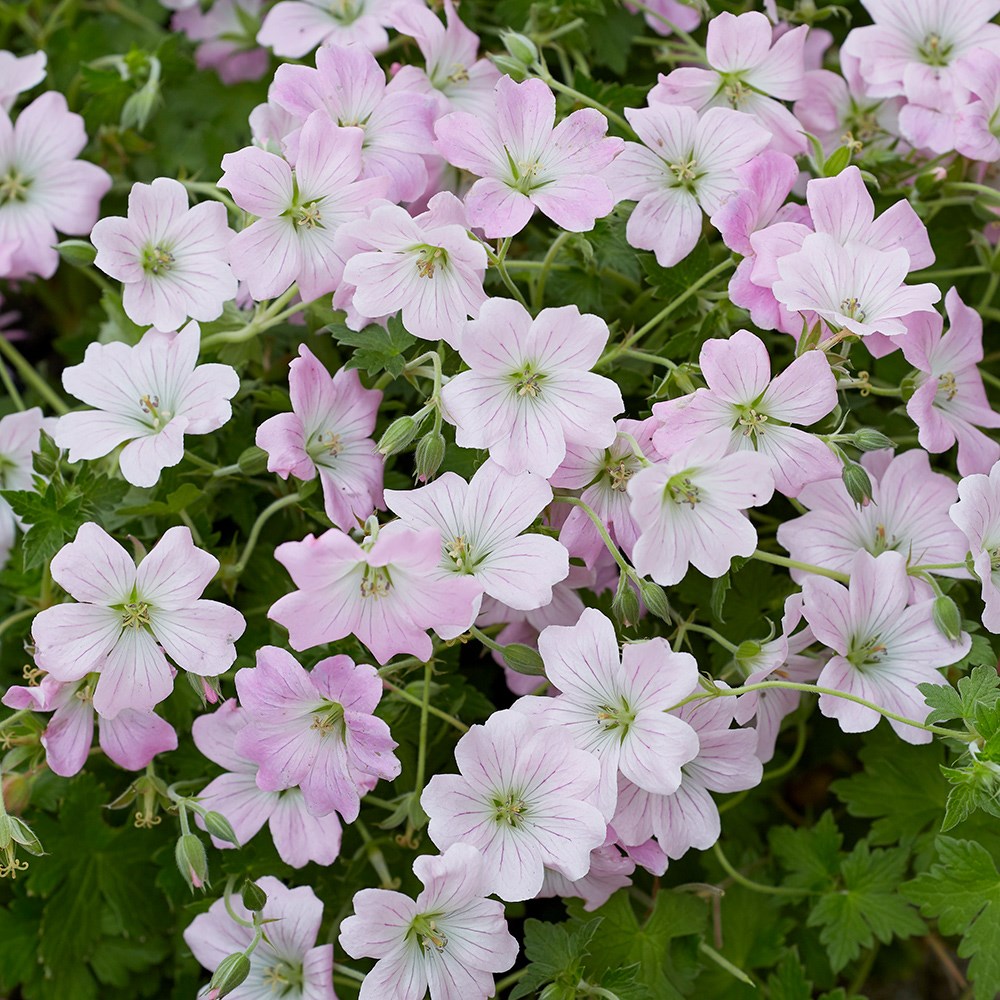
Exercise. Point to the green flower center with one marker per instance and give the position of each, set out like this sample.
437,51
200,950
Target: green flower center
851,308
867,652
681,490
376,582
618,717
156,259
13,186
934,50
424,926
283,978
509,809
135,614
429,258
329,719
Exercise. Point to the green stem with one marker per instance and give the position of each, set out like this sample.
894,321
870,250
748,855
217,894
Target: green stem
15,717
589,102
776,560
936,274
711,633
8,384
497,260
406,696
770,890
514,977
692,289
538,293
200,462
796,756
734,970
212,191
31,377
927,567
418,786
258,525
274,314
15,618
348,973
603,532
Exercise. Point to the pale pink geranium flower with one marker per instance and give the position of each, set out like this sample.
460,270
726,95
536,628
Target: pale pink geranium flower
690,509
149,395
603,474
684,164
454,75
450,940
298,835
950,403
665,15
131,739
524,163
751,71
530,389
43,186
523,798
170,257
780,658
842,208
18,74
977,514
758,412
128,617
350,88
387,591
298,211
610,870
614,704
225,45
977,132
429,269
315,729
853,288
20,434
482,524
293,28
287,963
911,48
328,433
689,816
908,514
884,648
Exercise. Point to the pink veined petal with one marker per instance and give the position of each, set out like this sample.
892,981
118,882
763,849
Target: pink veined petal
299,836
143,459
738,369
71,640
68,737
668,223
94,568
175,572
134,675
498,209
132,739
200,637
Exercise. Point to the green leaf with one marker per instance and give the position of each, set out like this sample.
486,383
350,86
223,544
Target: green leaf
867,907
556,953
980,689
788,981
973,787
811,855
963,891
378,348
179,500
900,787
670,282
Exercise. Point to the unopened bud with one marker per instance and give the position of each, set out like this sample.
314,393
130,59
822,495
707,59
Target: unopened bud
218,826
231,973
857,483
16,793
398,435
523,659
80,253
252,461
25,836
521,48
655,599
747,651
869,439
253,896
514,68
947,617
429,455
207,688
191,860
625,606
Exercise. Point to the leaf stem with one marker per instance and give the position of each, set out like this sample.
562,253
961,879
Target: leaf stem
31,377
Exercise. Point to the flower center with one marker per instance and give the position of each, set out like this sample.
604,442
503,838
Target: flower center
686,171
150,405
934,50
882,542
13,186
156,259
948,384
851,308
528,382
736,90
375,582
681,490
867,653
509,809
135,614
459,552
325,444
620,474
329,719
429,258
425,927
284,975
752,422
307,216
616,717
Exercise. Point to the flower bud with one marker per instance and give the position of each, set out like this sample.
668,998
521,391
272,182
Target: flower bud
947,617
429,455
520,47
253,896
398,435
25,836
869,439
655,599
16,792
252,461
218,826
523,659
231,973
207,688
625,606
859,486
191,860
80,253
747,651
512,67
